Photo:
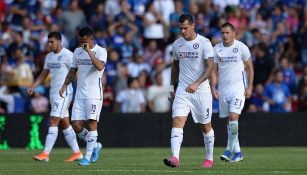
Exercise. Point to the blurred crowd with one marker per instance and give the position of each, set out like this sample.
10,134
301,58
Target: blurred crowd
138,35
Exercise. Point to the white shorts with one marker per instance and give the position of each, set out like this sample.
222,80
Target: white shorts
86,109
59,106
231,103
199,104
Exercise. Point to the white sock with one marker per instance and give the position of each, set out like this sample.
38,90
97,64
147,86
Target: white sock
50,139
70,137
209,144
232,134
176,140
91,142
83,134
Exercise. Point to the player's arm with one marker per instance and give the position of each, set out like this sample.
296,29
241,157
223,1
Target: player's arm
174,78
203,77
96,62
250,76
69,78
213,81
42,76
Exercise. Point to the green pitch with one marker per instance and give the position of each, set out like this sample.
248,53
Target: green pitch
148,161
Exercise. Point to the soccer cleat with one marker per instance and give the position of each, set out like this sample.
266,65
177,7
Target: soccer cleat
74,157
95,154
172,162
84,162
42,157
207,164
226,156
238,157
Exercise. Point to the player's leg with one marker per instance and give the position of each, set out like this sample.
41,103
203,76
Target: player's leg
78,117
236,106
93,108
209,138
176,141
202,113
50,139
180,111
70,137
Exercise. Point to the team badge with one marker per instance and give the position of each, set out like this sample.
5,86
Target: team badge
235,50
196,46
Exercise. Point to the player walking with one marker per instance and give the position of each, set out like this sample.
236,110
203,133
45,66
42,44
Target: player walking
192,65
57,63
88,63
230,57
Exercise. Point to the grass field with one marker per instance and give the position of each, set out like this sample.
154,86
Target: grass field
148,161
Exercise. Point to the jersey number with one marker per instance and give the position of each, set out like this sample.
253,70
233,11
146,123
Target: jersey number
238,103
93,110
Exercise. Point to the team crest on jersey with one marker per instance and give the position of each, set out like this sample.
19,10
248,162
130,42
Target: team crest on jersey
59,58
235,50
196,46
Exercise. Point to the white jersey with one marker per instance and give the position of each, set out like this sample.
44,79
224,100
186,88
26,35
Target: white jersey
191,56
89,78
230,62
58,65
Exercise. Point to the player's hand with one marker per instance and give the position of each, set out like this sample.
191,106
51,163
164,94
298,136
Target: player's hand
86,47
30,91
62,90
248,92
171,96
215,94
192,88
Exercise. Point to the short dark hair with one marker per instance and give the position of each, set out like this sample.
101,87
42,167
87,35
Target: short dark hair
56,35
185,17
130,80
228,24
86,31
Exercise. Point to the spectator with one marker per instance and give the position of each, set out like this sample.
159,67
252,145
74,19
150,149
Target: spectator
128,104
277,94
152,52
39,103
138,65
11,96
288,74
70,26
157,95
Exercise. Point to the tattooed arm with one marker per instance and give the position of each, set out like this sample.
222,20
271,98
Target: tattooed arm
69,78
204,76
174,79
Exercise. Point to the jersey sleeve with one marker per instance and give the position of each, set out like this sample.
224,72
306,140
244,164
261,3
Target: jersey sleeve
215,59
74,59
175,56
245,53
69,59
102,55
45,63
208,49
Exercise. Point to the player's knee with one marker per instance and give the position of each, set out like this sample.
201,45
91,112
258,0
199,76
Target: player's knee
178,122
77,127
234,127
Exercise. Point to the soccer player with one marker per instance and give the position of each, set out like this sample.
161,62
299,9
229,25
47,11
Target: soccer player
57,63
88,64
231,59
192,65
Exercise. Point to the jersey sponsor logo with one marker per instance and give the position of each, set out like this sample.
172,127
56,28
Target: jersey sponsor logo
54,65
228,59
235,50
196,46
84,62
188,54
